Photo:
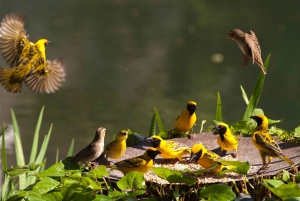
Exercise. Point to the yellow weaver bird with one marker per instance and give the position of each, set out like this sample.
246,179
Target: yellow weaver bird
116,148
264,142
206,158
169,148
94,149
226,139
27,60
187,119
141,163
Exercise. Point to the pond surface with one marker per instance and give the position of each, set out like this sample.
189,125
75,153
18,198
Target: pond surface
125,57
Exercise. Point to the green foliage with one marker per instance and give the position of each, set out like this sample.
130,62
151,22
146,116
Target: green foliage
174,176
282,190
133,138
217,192
219,109
235,166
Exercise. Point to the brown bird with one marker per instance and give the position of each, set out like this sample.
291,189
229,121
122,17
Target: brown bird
94,149
249,45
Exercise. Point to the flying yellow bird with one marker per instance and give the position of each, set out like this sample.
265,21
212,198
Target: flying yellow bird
117,148
187,119
27,60
141,163
226,139
206,158
265,144
94,149
169,148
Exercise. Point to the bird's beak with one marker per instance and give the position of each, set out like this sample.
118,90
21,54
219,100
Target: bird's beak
192,157
157,152
216,128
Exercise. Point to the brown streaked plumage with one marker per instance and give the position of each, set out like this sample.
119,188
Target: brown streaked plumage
94,149
249,45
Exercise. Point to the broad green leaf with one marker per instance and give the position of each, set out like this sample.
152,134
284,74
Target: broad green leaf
89,183
217,192
98,172
45,185
235,166
285,176
101,198
256,92
55,170
70,163
134,182
164,133
201,171
297,132
152,129
174,176
116,194
284,191
158,119
219,108
242,126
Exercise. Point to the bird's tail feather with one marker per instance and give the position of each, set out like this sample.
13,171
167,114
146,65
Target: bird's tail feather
286,159
7,81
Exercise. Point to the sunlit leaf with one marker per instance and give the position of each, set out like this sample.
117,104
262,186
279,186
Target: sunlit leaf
44,185
55,170
71,148
133,182
244,95
98,172
242,126
284,191
217,192
235,166
174,176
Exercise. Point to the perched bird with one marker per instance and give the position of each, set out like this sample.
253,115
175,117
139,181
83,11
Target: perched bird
226,139
249,45
94,149
141,163
206,158
117,148
264,142
169,148
187,119
27,60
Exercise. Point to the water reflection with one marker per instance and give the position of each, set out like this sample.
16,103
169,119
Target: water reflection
125,57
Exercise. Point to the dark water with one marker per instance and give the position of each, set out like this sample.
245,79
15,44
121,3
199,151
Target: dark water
125,57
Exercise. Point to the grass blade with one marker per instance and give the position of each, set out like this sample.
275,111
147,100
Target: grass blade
159,122
202,124
244,95
3,149
57,156
152,125
19,150
71,149
256,92
219,108
36,137
44,146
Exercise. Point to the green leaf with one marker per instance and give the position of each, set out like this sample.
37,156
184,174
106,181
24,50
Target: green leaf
101,198
284,191
242,126
134,182
158,119
70,163
235,166
133,139
89,183
152,129
174,176
116,194
98,172
219,108
217,192
45,185
244,95
71,148
256,92
18,170
285,176
201,171
55,170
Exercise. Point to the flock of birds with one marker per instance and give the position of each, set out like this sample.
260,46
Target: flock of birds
28,64
261,139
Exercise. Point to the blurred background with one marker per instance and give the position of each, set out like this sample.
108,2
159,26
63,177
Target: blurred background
125,57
